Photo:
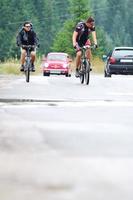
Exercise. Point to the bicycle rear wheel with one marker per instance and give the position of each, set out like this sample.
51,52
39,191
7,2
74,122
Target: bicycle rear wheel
87,72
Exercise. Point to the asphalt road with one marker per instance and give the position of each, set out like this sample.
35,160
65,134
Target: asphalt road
60,140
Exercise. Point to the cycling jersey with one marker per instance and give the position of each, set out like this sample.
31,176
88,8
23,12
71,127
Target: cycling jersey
83,33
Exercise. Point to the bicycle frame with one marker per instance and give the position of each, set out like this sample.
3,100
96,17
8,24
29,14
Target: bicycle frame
27,65
85,66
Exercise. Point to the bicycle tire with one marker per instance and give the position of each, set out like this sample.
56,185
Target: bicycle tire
27,74
81,77
27,70
87,72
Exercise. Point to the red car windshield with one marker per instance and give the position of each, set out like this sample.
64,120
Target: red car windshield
58,57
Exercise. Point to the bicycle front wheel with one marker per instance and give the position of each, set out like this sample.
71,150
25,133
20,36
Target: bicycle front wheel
27,70
27,74
87,72
81,77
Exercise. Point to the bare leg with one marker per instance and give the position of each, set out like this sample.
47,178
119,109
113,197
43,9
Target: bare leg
89,56
23,54
33,56
78,59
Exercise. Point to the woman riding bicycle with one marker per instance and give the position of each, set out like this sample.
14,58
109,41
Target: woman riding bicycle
80,38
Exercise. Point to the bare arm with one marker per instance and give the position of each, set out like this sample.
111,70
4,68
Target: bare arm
74,37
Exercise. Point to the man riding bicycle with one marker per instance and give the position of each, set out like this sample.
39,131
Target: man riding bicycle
80,38
27,36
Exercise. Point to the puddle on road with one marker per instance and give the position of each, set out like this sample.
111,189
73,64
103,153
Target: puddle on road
64,102
29,102
62,187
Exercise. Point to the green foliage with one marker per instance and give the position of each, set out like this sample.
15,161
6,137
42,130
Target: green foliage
79,9
46,16
54,22
115,19
63,40
104,42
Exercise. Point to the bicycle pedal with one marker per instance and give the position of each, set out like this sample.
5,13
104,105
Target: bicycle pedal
77,76
81,72
22,68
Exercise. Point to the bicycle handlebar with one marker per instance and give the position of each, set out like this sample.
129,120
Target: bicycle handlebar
88,47
28,46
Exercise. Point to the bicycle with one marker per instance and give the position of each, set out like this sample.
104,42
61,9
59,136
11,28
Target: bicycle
28,64
84,71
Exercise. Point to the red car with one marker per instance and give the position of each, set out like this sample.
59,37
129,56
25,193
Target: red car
56,63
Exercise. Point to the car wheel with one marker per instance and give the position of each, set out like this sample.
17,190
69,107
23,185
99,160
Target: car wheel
107,74
46,74
68,75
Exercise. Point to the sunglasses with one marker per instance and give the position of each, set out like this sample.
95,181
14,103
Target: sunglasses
28,26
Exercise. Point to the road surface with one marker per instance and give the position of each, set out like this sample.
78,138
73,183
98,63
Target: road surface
60,140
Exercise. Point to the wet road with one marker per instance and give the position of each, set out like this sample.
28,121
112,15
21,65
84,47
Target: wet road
60,140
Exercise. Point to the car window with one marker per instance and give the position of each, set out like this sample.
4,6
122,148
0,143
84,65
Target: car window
123,52
57,57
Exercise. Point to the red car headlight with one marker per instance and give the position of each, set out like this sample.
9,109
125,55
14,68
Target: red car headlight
65,65
45,65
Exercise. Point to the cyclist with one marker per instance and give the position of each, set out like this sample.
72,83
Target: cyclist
27,36
80,38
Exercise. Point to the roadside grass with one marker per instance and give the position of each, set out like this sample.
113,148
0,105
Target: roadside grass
98,65
12,66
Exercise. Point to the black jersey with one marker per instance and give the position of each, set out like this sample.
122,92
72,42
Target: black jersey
83,33
27,38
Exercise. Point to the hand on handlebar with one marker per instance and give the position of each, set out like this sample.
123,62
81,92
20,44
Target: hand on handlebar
77,47
23,46
28,46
